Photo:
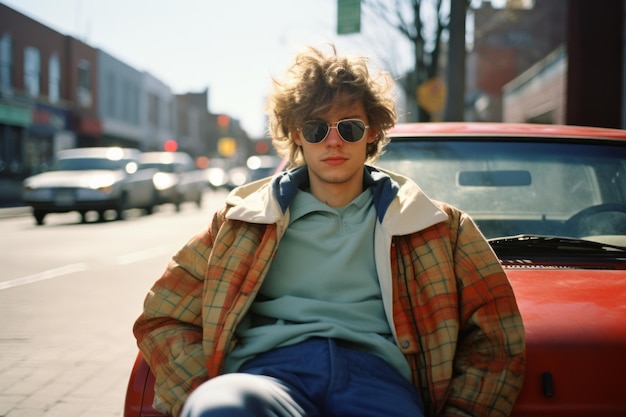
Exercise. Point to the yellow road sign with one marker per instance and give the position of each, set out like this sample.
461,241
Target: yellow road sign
431,95
227,146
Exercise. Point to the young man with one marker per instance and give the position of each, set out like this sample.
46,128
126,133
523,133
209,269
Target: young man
334,288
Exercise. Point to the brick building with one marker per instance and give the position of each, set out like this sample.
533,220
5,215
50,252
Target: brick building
507,42
48,94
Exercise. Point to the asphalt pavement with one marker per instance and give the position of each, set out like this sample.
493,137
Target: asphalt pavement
72,294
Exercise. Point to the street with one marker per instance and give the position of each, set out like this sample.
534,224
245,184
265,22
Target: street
69,294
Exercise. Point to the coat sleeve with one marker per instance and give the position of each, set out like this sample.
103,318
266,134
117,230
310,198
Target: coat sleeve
490,356
169,330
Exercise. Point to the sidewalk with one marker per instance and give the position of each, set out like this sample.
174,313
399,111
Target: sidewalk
17,211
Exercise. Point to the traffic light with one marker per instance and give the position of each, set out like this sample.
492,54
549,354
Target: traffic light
223,120
170,145
262,147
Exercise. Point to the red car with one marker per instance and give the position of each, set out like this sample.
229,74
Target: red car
552,202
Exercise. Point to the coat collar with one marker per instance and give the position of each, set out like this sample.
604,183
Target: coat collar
401,206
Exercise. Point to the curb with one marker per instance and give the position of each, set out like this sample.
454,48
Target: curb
9,212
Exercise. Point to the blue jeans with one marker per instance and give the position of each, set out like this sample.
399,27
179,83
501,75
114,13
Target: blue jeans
318,377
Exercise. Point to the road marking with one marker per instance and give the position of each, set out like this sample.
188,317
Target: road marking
42,276
142,255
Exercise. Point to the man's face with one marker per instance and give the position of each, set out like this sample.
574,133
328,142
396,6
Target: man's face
334,164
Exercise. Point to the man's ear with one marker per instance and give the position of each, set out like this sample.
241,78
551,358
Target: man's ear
295,136
371,135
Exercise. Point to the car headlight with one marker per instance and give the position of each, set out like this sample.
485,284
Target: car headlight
163,181
102,183
217,177
238,177
105,189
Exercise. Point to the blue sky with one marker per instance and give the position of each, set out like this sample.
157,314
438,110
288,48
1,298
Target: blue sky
233,47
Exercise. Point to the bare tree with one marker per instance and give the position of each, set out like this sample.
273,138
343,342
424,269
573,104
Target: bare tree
455,68
406,17
425,24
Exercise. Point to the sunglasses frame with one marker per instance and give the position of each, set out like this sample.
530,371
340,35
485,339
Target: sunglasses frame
335,126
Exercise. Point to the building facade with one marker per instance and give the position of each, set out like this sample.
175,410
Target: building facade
507,42
120,87
37,115
157,113
193,123
539,94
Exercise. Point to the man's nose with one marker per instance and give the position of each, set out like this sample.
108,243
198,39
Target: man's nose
333,137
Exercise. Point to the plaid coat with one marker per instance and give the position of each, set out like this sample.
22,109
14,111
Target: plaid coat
447,299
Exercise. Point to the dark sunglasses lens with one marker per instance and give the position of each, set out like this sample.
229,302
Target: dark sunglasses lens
351,130
314,132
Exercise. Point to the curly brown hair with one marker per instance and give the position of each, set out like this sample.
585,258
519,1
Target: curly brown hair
310,87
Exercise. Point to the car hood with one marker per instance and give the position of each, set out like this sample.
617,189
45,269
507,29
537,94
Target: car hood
575,323
73,178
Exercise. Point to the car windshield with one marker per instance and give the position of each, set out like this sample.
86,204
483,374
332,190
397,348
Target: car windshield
513,187
82,164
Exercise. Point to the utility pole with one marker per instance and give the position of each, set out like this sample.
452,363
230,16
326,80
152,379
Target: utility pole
455,74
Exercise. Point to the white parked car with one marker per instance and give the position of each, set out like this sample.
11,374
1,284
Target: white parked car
257,167
86,179
178,179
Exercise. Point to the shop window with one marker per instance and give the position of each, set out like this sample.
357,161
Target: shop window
54,78
153,109
84,84
32,71
5,63
111,95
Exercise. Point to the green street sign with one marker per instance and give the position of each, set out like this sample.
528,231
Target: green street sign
348,16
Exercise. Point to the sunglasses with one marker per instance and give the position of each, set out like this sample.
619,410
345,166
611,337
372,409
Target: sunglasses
350,130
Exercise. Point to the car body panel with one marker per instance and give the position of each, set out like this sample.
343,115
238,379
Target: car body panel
571,290
575,341
140,391
486,129
82,179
